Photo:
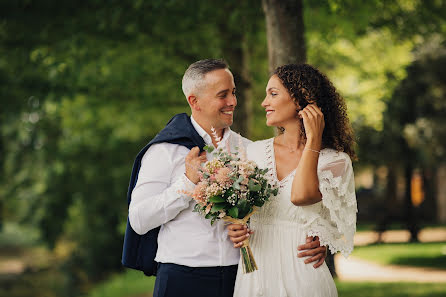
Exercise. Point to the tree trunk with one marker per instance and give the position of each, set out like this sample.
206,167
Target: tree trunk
236,53
441,192
2,158
238,59
285,32
429,205
411,218
386,211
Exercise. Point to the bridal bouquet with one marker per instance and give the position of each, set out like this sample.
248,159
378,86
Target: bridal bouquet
231,188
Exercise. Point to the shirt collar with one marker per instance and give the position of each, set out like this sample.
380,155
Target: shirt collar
206,137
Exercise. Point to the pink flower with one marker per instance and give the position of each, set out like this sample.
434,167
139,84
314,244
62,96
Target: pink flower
222,177
199,193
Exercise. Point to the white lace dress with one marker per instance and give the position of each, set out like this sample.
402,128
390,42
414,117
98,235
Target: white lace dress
280,227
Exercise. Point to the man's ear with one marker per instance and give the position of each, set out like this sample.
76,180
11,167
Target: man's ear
193,102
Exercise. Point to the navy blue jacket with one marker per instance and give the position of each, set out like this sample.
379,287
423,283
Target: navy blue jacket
139,251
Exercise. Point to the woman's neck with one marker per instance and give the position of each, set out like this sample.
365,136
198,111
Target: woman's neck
291,138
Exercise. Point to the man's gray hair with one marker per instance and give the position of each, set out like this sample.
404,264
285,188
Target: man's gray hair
193,78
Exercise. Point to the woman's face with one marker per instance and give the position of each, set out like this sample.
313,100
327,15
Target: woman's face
280,108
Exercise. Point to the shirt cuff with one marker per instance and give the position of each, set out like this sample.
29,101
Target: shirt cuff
189,186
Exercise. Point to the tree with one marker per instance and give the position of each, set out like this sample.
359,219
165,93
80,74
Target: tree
285,32
415,120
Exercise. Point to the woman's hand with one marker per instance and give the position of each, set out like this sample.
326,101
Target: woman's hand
238,233
193,162
314,125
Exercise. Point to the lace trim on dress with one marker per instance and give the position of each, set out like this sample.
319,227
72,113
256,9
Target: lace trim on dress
336,223
268,212
270,162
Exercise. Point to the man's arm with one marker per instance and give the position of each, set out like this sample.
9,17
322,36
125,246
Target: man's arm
313,249
155,200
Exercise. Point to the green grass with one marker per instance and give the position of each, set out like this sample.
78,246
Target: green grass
134,284
128,284
394,226
367,289
431,255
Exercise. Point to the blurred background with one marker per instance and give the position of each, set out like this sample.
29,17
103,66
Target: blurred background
85,85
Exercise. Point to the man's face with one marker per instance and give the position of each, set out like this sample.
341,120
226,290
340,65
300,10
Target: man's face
216,99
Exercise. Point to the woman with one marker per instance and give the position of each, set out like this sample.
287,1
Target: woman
310,159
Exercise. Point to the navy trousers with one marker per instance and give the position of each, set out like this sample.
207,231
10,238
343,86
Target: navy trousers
174,280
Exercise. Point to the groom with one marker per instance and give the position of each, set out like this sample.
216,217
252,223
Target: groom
194,258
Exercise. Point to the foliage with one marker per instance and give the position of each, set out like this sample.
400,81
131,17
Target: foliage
15,236
419,109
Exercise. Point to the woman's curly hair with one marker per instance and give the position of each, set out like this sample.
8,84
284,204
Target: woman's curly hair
307,85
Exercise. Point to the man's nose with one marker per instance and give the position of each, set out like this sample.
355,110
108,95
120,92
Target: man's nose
232,100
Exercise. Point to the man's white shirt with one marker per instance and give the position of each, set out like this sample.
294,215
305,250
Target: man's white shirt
158,199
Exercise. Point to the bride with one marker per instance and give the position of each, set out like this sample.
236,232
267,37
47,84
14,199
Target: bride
310,159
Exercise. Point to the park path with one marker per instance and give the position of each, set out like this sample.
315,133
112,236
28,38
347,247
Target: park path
354,269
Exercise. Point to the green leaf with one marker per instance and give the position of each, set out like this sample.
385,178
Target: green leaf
217,199
240,179
236,184
233,212
253,186
229,192
208,149
218,206
243,208
259,203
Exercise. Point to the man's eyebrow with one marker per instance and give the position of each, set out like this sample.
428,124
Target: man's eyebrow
222,92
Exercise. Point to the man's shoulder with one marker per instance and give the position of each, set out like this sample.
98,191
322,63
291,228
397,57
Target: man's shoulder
244,140
258,143
257,149
165,151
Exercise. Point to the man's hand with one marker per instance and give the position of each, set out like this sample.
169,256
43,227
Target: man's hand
193,162
238,233
313,249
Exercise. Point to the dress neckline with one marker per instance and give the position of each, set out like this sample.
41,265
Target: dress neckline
271,157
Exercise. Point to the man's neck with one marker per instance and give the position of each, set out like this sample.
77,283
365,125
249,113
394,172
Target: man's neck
216,135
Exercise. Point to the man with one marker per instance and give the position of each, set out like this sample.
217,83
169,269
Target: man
195,258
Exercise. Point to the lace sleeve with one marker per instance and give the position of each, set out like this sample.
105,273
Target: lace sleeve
335,223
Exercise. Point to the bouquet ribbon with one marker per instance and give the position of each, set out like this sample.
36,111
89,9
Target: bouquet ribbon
248,263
